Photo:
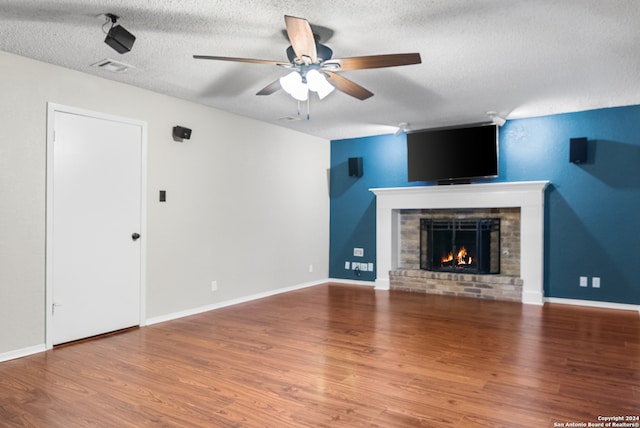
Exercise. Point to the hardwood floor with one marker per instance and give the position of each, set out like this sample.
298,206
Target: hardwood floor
344,356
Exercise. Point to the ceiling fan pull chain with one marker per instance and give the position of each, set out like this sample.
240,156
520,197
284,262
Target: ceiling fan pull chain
308,104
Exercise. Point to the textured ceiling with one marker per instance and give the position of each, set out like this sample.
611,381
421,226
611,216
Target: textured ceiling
519,58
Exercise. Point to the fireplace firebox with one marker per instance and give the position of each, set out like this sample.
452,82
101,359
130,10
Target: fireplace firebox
460,245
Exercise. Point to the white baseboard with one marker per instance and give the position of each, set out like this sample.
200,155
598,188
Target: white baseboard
383,284
19,353
352,282
593,304
24,352
224,304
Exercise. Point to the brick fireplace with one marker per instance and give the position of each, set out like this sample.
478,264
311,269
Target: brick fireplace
495,277
519,205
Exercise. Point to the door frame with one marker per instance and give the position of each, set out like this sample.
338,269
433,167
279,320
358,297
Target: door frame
52,108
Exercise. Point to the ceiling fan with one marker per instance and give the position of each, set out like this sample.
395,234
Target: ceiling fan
313,67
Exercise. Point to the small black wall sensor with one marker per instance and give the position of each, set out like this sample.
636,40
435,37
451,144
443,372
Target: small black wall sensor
181,133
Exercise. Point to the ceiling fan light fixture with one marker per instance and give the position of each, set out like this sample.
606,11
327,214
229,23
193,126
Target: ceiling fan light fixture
293,85
318,82
306,54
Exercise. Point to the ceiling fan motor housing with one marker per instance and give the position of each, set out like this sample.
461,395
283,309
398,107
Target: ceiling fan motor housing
324,53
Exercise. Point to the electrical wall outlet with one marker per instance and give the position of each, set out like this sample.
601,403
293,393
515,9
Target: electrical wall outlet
595,282
361,266
357,268
358,252
214,285
584,281
310,268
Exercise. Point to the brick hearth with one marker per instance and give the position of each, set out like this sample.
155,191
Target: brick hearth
492,287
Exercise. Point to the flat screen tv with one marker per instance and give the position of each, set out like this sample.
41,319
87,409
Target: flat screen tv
453,155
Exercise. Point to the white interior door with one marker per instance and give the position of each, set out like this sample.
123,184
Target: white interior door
95,212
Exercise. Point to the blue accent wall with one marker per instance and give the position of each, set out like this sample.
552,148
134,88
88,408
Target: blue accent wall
592,210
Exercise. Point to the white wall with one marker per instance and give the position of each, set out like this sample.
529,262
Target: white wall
247,202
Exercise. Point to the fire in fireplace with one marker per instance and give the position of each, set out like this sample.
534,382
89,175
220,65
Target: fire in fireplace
460,245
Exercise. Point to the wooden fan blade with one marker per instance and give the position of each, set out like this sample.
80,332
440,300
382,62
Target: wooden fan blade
301,38
270,88
249,60
375,61
347,86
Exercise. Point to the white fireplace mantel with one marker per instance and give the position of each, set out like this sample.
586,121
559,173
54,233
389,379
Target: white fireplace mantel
526,195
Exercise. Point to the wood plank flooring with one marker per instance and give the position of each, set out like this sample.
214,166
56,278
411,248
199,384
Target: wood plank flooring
340,356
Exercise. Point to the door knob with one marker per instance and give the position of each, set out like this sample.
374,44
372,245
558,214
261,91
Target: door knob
135,236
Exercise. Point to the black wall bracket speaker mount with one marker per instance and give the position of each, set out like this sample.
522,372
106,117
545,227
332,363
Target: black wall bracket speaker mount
181,133
118,37
578,150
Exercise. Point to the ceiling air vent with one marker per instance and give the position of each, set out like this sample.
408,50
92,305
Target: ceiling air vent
289,118
112,65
